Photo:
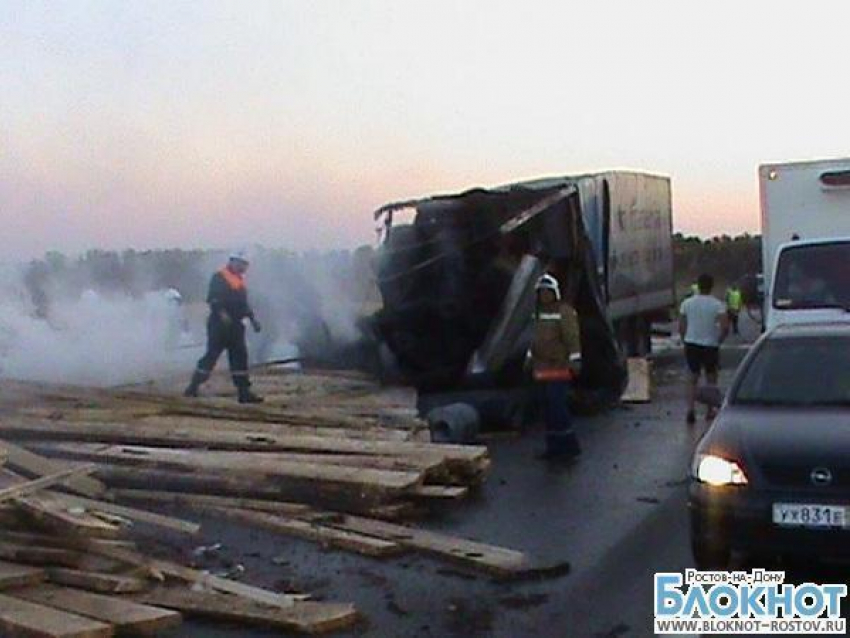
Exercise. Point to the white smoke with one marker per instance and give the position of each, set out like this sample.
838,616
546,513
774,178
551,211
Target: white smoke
117,337
92,340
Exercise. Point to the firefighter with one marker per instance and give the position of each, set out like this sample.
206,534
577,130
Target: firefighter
555,339
229,307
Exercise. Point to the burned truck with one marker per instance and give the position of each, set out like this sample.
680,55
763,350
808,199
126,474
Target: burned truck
457,274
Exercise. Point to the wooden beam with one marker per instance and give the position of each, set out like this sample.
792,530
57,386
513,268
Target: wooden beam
30,463
13,575
314,531
127,616
306,617
24,619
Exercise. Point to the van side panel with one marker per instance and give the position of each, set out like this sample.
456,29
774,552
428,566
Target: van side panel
640,268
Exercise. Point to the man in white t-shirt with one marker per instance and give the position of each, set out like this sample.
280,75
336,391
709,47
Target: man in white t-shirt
703,325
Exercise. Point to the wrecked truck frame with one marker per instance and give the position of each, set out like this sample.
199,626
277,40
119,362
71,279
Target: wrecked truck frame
457,283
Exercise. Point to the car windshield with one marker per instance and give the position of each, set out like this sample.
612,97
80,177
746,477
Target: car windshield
813,277
799,372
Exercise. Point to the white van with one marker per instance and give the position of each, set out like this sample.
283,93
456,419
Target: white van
805,218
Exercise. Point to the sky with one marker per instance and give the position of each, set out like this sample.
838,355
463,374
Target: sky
153,124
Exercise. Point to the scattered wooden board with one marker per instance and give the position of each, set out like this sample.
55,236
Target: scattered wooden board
639,388
48,480
168,522
127,616
203,579
20,618
451,492
315,531
307,617
96,581
34,555
498,561
31,463
13,575
52,512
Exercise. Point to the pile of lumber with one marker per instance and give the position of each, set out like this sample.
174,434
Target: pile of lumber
69,566
329,458
345,449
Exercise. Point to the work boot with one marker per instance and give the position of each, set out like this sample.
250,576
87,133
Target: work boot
192,389
562,449
246,396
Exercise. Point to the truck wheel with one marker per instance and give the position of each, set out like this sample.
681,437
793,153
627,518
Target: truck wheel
642,337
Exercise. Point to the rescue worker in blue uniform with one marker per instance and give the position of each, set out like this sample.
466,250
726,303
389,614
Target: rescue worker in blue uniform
229,307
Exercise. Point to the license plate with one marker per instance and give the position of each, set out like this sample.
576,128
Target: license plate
809,515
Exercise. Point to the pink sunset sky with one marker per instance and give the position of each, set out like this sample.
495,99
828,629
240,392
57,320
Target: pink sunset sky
199,124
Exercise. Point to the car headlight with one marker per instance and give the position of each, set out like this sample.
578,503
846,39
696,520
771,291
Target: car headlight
715,470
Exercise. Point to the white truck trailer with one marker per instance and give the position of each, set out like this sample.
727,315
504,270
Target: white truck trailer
805,219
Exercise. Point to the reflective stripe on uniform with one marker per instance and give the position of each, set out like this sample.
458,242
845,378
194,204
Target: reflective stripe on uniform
549,316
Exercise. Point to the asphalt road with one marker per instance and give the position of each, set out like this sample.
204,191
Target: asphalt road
615,517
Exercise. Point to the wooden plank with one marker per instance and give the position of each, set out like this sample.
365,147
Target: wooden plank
638,389
275,429
498,561
52,540
205,580
215,438
13,575
34,555
202,502
451,492
35,485
126,616
151,518
96,581
23,619
385,481
53,513
37,465
314,531
307,617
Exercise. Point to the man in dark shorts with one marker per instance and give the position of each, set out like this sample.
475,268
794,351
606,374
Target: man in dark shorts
703,325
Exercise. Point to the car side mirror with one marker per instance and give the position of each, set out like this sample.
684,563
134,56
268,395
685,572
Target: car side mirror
710,396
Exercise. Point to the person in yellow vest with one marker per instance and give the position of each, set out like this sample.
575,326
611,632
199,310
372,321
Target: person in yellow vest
734,302
555,339
229,307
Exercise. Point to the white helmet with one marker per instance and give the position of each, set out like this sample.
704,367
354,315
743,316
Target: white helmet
548,282
173,295
239,255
